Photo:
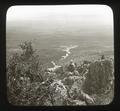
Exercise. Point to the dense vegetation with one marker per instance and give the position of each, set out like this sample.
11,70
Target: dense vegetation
29,83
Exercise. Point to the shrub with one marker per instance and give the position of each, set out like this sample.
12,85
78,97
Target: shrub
23,70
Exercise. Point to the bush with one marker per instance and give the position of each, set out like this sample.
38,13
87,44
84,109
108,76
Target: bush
23,70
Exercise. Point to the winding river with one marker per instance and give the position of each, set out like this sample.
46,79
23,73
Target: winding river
67,50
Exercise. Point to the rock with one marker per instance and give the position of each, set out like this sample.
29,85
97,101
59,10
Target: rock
89,100
58,92
76,88
47,102
78,102
70,80
98,76
76,73
75,102
71,66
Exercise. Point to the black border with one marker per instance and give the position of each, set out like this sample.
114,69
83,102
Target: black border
5,106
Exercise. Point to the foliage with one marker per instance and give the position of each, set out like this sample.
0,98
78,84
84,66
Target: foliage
28,83
23,70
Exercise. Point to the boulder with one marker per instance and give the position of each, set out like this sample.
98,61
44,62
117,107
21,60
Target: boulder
58,92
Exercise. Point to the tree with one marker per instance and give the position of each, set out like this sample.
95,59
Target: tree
23,70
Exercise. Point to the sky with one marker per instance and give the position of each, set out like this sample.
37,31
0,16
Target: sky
75,12
75,19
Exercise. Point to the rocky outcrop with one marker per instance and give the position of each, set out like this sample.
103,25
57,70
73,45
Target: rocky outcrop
58,92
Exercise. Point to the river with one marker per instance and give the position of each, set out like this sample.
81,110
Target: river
67,50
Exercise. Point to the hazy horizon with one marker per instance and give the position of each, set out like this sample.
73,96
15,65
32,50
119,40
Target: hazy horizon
47,25
48,19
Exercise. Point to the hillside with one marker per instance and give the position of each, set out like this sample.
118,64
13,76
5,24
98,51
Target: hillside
84,83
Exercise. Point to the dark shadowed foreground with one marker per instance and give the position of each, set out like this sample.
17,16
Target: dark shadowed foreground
30,84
